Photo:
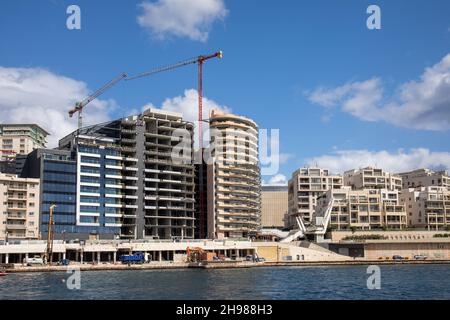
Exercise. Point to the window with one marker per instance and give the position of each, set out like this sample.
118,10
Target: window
31,204
32,195
90,160
85,169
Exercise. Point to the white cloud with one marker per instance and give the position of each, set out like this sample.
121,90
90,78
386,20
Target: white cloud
278,179
420,104
35,95
400,161
183,18
285,157
187,105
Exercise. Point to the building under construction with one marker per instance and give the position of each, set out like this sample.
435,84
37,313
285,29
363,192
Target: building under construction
125,180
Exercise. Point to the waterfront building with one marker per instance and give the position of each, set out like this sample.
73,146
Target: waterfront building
425,178
233,177
119,179
372,178
304,187
20,139
367,209
19,208
427,207
274,206
57,171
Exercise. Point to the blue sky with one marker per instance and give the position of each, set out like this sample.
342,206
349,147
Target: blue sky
342,95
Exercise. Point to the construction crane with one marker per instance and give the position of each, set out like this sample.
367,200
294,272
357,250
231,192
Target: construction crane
200,60
80,105
197,60
49,251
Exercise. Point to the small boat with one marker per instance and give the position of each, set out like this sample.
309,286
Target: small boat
2,274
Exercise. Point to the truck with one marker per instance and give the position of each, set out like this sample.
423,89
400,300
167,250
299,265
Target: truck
135,258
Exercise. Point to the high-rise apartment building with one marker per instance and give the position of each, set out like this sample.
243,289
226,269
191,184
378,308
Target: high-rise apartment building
274,206
304,187
20,139
427,207
234,182
367,209
425,178
372,178
19,208
63,184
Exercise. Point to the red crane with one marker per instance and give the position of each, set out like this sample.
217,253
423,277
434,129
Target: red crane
200,60
197,60
80,105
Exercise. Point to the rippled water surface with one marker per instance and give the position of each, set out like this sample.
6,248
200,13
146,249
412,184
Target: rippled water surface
346,282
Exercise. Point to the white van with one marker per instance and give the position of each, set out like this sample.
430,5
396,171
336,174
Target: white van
33,261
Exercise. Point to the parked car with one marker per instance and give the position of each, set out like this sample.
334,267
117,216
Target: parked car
398,258
249,258
64,262
420,257
260,259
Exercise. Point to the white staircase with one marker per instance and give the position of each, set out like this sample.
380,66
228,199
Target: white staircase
297,233
321,222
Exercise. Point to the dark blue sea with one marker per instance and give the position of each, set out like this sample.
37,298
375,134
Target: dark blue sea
344,282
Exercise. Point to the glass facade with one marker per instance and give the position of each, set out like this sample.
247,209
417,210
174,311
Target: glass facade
95,207
58,188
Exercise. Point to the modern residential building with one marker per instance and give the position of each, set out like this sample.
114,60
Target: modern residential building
367,209
274,206
20,139
372,178
304,187
427,207
122,178
233,177
19,208
57,171
424,178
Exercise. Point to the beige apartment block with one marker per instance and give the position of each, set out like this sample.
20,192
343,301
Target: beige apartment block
20,139
19,207
427,207
234,181
304,187
372,178
274,207
425,178
367,209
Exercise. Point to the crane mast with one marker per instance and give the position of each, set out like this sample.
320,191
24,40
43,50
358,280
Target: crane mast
200,60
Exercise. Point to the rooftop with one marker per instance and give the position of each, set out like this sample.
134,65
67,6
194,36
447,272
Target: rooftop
6,126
